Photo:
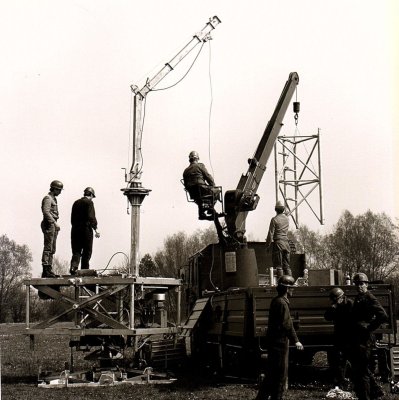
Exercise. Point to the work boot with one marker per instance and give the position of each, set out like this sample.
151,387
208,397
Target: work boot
48,272
73,270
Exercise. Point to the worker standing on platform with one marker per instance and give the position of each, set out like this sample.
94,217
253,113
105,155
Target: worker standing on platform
199,184
340,313
280,331
50,227
367,316
83,220
277,237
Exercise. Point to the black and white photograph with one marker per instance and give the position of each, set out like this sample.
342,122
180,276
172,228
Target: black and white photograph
200,199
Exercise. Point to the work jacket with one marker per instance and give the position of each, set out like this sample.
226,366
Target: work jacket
367,316
280,328
197,174
50,209
278,230
83,214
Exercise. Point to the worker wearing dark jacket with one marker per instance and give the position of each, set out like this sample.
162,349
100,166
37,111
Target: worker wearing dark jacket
277,237
280,331
340,313
200,185
367,316
83,220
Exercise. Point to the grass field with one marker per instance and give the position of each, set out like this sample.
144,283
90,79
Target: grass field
20,366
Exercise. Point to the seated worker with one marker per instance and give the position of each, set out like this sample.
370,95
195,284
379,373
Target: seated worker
200,185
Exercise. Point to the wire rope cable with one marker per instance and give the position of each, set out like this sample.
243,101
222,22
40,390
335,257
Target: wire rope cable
113,255
187,72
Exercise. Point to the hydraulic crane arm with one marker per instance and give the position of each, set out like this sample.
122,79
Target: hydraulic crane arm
140,94
238,202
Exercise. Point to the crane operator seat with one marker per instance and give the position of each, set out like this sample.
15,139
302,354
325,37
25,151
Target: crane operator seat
200,187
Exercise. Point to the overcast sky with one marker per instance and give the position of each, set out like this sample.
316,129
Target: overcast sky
65,108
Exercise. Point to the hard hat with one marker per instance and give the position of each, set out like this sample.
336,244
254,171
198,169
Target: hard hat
286,280
89,190
56,185
336,293
279,205
193,155
360,277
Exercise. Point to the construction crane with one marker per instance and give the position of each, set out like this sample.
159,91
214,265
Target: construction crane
244,198
135,192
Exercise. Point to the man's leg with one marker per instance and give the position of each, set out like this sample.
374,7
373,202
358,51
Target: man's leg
280,374
49,234
285,258
277,260
76,245
360,372
87,248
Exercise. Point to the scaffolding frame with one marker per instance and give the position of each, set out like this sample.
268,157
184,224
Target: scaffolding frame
295,171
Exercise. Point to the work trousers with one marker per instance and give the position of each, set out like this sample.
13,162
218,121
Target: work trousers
281,258
364,383
82,246
50,234
276,375
338,360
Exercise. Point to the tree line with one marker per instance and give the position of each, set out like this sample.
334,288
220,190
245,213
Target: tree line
368,243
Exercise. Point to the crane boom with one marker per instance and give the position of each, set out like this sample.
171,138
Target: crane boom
140,94
135,192
244,198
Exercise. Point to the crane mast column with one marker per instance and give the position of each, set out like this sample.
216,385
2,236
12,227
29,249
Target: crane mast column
135,192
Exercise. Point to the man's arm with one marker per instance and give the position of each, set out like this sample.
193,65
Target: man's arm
379,313
92,216
270,234
207,176
46,210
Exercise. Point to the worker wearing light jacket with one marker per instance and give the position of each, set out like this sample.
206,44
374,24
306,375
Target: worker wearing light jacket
277,237
280,331
50,227
83,220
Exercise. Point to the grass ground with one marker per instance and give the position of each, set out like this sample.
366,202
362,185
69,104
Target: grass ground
20,366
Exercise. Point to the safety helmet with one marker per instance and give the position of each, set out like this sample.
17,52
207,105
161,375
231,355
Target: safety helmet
286,280
360,277
56,185
89,190
279,206
336,293
193,155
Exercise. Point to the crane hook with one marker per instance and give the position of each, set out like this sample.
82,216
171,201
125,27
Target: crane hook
296,111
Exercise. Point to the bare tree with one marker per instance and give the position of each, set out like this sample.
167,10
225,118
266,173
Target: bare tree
179,247
14,269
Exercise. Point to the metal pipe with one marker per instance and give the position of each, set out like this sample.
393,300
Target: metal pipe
320,180
178,316
27,305
275,171
131,320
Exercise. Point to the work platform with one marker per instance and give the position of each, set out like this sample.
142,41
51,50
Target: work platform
108,305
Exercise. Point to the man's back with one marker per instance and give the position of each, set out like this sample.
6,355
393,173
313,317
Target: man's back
83,213
197,174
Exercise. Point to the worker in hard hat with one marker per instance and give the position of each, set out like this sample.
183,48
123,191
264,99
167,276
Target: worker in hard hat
278,239
50,227
84,222
200,185
340,313
280,331
367,317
